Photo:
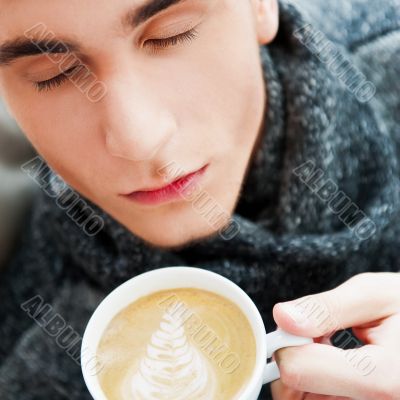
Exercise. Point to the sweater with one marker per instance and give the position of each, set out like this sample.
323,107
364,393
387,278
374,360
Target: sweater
16,189
319,204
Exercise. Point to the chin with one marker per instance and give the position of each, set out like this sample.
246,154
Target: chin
177,227
178,238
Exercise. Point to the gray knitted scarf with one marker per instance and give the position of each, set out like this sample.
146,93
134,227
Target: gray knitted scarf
320,203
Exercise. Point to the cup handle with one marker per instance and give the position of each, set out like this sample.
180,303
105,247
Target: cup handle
275,341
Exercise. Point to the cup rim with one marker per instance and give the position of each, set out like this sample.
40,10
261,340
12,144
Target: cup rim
241,299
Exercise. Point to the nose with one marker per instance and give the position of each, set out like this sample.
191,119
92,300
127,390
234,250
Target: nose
137,124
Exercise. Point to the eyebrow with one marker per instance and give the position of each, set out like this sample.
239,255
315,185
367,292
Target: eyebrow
146,11
23,46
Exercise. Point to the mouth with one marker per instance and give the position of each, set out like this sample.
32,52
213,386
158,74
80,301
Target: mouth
173,191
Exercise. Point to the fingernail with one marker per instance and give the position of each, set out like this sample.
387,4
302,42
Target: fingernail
297,315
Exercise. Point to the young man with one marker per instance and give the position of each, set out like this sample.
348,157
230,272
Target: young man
279,120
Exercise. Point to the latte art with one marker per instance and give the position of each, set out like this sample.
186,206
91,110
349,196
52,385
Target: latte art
181,344
172,369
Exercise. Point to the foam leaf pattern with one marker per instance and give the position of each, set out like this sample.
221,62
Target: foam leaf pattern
173,369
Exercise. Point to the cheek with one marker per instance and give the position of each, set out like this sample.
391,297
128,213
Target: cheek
220,86
63,130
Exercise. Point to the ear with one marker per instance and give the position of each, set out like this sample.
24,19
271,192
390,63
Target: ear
267,20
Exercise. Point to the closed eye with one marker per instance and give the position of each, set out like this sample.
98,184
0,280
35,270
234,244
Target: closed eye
160,44
154,45
57,81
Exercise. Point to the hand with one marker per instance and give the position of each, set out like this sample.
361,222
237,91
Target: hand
370,304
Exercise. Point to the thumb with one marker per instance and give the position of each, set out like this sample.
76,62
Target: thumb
360,300
311,316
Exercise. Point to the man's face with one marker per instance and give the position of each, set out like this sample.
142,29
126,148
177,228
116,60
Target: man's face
158,108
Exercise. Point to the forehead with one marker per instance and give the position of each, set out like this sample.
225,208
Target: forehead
63,17
26,22
73,18
17,16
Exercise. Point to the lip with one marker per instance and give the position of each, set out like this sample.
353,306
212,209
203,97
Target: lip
168,193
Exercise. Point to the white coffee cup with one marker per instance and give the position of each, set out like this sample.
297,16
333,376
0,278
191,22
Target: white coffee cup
184,277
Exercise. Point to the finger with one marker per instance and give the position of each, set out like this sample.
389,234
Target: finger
282,392
372,324
360,300
385,334
312,396
367,373
325,340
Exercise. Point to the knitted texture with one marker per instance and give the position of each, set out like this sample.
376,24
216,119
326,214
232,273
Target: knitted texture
292,241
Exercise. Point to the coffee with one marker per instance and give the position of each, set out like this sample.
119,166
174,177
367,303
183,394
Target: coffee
179,344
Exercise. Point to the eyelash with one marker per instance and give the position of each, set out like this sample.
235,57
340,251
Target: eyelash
154,44
55,82
160,44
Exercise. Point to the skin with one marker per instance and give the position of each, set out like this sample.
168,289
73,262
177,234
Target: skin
170,106
153,113
368,303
